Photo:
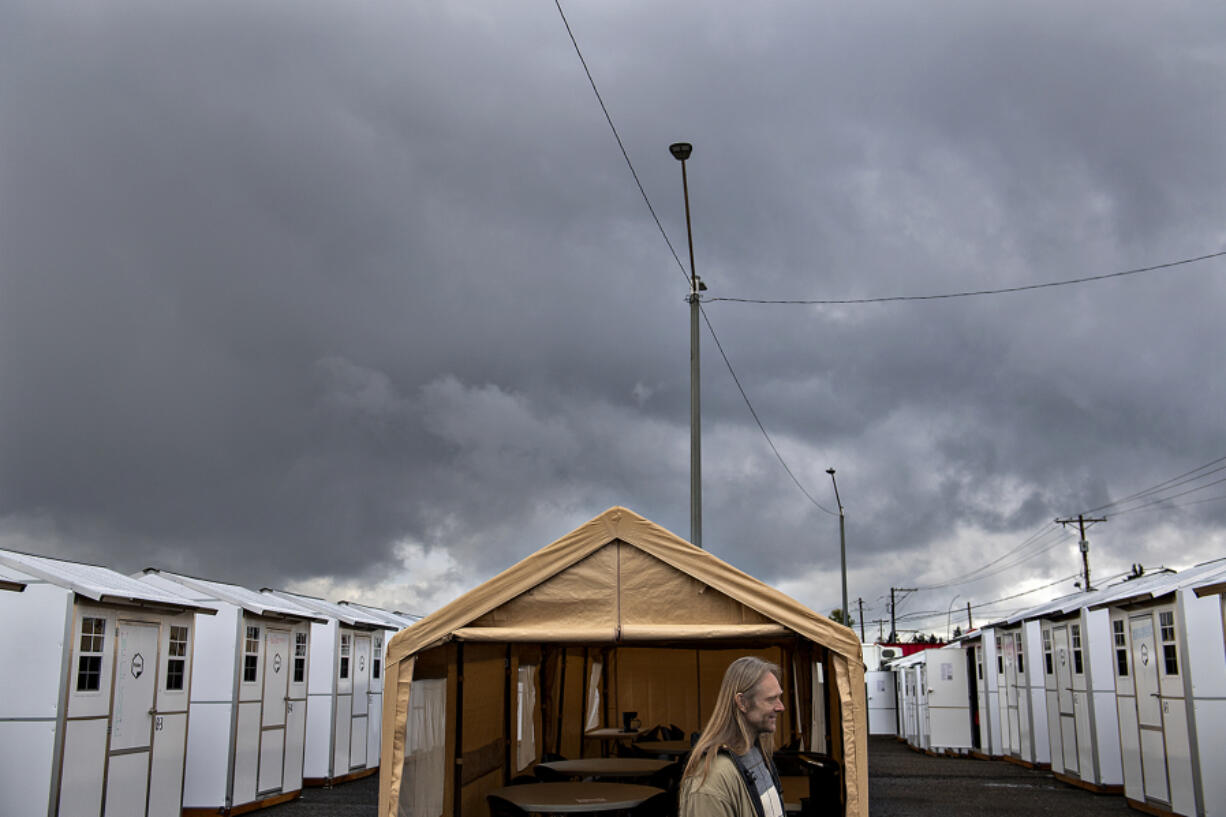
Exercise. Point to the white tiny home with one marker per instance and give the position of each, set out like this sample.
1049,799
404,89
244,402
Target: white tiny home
982,645
1021,692
1170,679
880,687
248,701
1082,725
93,692
907,671
345,690
945,699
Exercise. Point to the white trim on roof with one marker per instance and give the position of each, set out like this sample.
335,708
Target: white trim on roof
95,582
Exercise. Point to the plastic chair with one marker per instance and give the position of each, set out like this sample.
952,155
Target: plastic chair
500,807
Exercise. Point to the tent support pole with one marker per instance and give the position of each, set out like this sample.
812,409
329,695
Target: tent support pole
587,673
457,781
561,701
507,725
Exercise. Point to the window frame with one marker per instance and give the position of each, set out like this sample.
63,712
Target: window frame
90,654
176,657
251,654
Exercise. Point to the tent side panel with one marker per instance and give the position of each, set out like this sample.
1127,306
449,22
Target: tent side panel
395,723
1100,656
660,684
208,740
654,592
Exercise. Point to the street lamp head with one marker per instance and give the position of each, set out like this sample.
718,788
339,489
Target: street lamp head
681,150
830,471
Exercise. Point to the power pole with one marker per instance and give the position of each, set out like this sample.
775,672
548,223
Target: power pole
880,628
893,628
1085,543
969,624
861,603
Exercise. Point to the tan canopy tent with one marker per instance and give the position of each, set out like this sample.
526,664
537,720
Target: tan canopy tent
619,615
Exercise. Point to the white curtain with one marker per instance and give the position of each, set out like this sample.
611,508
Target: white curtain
527,716
593,697
421,788
817,734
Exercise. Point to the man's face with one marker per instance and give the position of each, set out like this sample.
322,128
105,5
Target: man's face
762,704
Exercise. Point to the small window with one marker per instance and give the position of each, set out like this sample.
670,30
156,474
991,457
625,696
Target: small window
344,656
177,662
376,666
1121,648
1017,645
251,655
1000,657
1047,665
1170,661
300,656
1075,631
89,663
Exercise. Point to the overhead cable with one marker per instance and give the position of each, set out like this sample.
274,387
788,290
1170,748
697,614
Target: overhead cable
947,295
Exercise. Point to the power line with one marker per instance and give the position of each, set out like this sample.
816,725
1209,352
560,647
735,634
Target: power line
625,154
1173,482
893,298
983,571
620,144
761,427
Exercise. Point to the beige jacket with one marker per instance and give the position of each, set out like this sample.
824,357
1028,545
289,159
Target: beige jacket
722,794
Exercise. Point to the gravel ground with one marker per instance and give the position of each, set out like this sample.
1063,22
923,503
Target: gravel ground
902,783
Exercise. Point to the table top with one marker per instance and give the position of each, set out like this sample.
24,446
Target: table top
561,798
613,732
608,766
664,747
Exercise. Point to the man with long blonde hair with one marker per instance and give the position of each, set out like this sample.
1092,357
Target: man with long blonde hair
730,772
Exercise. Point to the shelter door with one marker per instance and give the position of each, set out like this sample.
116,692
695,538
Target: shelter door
272,721
136,662
361,702
1149,707
1064,697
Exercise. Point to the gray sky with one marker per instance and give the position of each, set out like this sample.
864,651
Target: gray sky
362,299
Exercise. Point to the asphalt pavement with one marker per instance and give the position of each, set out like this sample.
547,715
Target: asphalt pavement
902,783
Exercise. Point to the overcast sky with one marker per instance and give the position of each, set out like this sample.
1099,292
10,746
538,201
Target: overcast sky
362,299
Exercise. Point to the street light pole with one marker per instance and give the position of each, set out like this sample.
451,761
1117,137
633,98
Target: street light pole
681,151
949,615
842,541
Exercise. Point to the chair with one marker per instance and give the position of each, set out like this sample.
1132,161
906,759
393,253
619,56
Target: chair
544,774
658,805
501,807
823,774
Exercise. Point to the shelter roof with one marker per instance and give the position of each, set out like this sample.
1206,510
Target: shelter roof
1156,585
346,614
95,582
619,578
1059,606
11,579
397,620
260,604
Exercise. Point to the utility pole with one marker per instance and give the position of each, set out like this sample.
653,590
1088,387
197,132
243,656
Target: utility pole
681,151
861,603
969,624
1085,543
893,628
880,622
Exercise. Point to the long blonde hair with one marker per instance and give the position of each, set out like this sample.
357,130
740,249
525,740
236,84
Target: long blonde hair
727,726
